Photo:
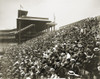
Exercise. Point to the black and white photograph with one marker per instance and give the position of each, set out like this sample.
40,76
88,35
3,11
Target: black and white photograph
49,39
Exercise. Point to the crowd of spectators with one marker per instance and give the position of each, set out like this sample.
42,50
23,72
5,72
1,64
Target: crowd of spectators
72,51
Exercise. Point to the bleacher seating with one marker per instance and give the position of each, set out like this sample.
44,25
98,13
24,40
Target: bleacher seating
71,52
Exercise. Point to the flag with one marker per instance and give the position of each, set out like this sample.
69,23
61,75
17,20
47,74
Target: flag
21,7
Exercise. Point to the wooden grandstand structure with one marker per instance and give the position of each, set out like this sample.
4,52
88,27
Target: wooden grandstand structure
28,27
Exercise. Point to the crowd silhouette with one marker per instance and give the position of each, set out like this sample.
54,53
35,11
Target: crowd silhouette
70,52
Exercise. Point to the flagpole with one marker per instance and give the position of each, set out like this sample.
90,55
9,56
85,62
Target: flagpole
54,20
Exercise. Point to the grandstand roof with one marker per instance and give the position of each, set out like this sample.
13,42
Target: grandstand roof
34,18
51,24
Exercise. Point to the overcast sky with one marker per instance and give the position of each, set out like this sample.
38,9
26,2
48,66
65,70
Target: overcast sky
66,11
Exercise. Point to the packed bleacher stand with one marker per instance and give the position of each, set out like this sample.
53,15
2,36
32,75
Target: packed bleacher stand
73,51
